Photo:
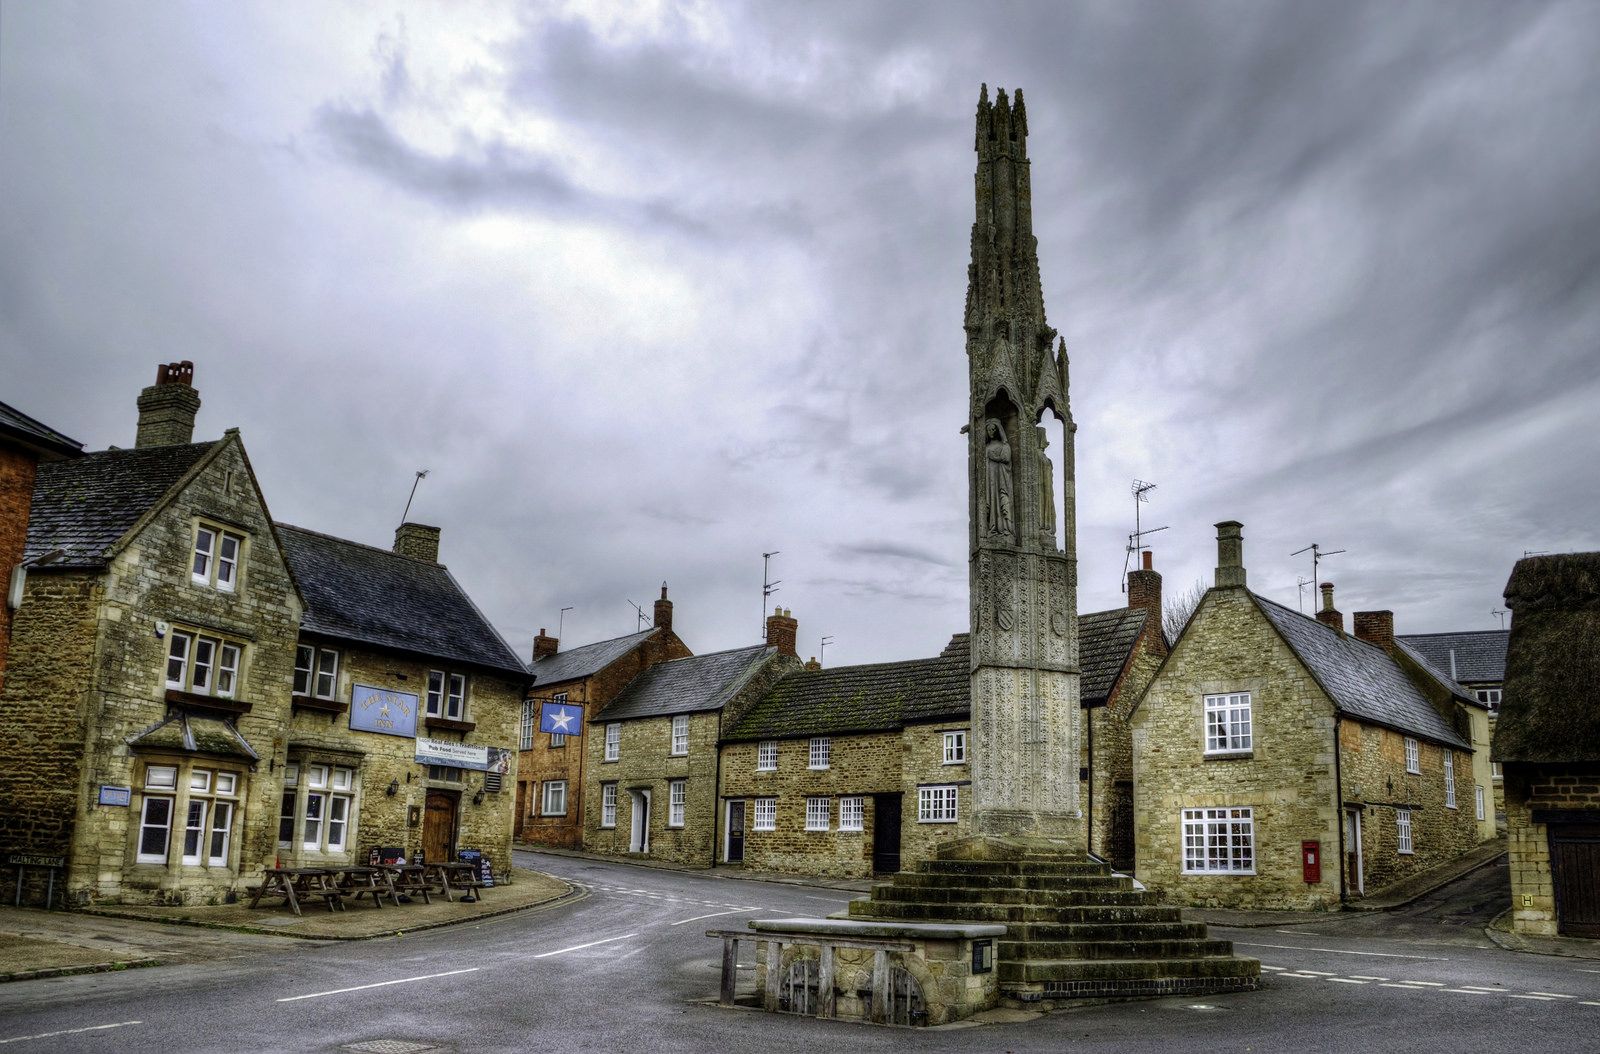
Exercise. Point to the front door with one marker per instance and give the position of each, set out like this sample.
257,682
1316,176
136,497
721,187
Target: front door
639,829
885,833
735,851
439,826
1355,879
1575,874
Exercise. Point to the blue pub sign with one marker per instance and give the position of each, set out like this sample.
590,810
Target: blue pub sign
383,710
562,718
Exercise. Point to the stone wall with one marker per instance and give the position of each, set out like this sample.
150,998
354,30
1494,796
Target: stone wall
17,469
645,766
1108,755
1571,788
1287,779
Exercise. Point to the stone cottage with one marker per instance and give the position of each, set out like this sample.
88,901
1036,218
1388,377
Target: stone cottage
1475,659
1281,763
1548,743
652,753
551,765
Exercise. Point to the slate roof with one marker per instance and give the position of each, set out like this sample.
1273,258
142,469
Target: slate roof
1550,713
881,697
1360,678
586,660
36,434
1479,655
373,596
686,686
195,735
85,505
1105,640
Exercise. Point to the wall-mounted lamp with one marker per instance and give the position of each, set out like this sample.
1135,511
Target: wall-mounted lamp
477,799
394,788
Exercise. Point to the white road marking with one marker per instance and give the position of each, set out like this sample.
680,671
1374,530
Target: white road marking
713,915
1483,988
580,947
1274,969
1407,987
1344,980
1588,1002
1465,991
1365,977
1554,995
1430,984
380,984
1319,973
68,1032
1540,998
1337,951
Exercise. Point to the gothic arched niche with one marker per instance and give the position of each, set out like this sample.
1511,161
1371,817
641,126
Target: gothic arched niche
1051,453
998,502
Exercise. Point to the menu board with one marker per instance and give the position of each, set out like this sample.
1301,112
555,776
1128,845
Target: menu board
479,862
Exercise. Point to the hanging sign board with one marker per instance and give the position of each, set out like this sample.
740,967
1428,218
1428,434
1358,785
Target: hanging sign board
383,710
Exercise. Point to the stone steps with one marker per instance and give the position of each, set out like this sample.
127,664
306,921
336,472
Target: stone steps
1044,971
922,880
1062,897
1042,868
1190,948
1156,929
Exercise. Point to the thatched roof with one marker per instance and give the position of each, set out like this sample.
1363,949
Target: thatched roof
1550,712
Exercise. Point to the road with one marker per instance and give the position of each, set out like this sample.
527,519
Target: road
625,966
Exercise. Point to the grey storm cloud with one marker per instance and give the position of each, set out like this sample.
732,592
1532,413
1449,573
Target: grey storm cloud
653,293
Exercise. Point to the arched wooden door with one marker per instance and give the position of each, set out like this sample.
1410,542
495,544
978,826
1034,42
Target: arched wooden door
439,826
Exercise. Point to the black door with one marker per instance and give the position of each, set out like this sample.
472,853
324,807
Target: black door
885,833
1575,871
735,832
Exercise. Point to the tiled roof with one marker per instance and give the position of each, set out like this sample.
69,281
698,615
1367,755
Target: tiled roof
586,660
361,593
1455,688
20,426
1105,640
686,686
1360,678
850,700
85,505
1471,657
192,734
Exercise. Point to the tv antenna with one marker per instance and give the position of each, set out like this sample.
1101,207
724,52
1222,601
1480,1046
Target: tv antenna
561,617
1141,495
822,648
1318,554
422,474
1501,615
639,611
1300,584
769,586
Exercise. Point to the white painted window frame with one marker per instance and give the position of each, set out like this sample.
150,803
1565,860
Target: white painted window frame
1449,779
1218,840
613,741
767,756
525,729
608,805
819,813
852,814
764,814
820,755
553,793
938,803
677,802
1225,733
1413,756
955,747
680,736
1404,834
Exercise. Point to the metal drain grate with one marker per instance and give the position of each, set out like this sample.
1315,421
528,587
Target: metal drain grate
390,1046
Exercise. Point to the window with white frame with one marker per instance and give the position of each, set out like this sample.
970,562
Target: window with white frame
818,812
767,756
1402,831
207,820
1449,779
155,815
613,741
529,723
955,748
326,815
215,561
202,665
447,695
1413,756
608,805
558,739
1219,841
851,814
555,798
1477,797
316,672
765,815
936,804
821,752
680,735
1228,729
1494,770
1489,697
677,800
289,807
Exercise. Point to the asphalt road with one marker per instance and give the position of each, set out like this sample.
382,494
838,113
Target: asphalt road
623,967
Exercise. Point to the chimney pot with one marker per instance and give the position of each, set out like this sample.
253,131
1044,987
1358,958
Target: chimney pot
1330,616
418,541
782,630
168,407
1144,591
1230,554
663,618
1149,559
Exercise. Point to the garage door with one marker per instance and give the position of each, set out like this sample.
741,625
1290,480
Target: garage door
1575,871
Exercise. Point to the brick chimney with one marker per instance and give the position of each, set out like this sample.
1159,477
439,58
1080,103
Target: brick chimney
1144,591
812,664
544,646
1330,616
664,611
418,541
1230,554
781,631
1375,627
167,408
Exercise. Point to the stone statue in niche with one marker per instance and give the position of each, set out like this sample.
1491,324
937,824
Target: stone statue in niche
1047,487
997,492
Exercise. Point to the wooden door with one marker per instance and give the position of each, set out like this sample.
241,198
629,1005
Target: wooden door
439,826
735,853
1575,873
885,833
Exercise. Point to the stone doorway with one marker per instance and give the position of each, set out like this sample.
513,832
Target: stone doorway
639,822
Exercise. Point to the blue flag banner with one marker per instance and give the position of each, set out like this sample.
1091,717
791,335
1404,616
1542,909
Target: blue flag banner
564,718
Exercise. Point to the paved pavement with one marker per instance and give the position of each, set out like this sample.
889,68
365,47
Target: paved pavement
625,966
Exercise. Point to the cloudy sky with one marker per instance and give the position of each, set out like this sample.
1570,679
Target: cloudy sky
653,289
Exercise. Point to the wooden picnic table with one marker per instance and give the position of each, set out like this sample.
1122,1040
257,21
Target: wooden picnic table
358,882
296,883
409,878
454,876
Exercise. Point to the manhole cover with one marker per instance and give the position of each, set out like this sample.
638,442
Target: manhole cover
390,1046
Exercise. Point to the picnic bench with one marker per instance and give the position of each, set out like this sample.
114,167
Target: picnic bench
295,884
376,882
454,876
405,879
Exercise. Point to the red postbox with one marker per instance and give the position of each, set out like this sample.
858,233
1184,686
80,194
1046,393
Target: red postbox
1311,861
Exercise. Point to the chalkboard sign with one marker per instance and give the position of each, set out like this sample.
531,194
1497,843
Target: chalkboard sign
476,858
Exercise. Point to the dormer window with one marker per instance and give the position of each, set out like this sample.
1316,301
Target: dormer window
215,562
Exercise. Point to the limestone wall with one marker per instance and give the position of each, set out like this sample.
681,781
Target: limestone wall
646,764
1572,788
